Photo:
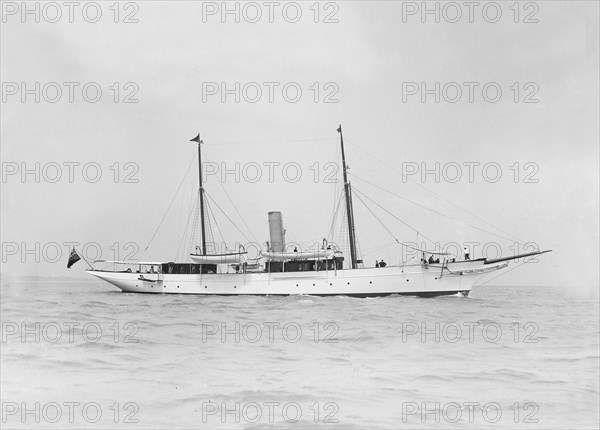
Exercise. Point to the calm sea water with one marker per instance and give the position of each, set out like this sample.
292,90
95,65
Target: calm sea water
81,351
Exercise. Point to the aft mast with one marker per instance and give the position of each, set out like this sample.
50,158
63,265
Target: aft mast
349,210
201,192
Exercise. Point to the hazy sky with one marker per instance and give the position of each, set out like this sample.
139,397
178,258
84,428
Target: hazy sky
368,66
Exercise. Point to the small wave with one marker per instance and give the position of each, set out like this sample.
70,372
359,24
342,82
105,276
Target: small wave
572,359
434,378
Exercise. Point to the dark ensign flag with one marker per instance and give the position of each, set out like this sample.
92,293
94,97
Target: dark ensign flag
196,139
73,258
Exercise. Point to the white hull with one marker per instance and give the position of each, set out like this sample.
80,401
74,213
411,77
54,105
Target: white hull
417,280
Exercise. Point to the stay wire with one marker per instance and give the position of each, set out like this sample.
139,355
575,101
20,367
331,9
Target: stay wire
170,204
234,207
187,225
227,216
394,216
437,195
388,230
433,210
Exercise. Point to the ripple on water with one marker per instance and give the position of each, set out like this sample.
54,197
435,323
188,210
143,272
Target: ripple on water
371,369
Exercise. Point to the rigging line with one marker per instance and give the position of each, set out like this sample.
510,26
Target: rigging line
497,235
234,207
436,245
305,244
438,196
227,216
433,210
337,181
193,184
194,233
343,238
334,217
292,240
170,204
262,142
378,248
403,198
413,257
316,241
210,238
357,244
211,213
181,213
403,222
187,225
381,246
375,216
191,204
